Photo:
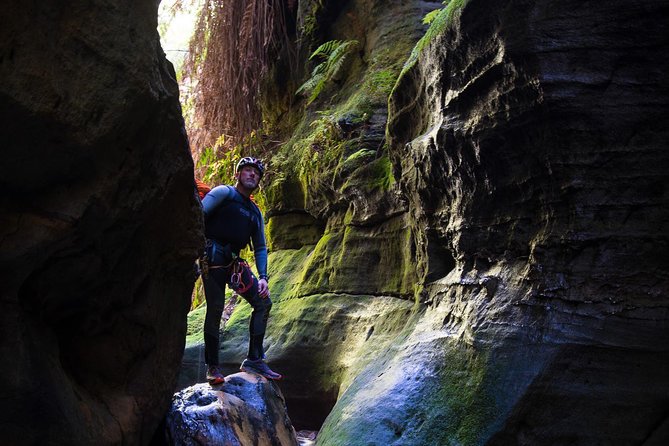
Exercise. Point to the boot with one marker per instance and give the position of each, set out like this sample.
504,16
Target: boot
259,367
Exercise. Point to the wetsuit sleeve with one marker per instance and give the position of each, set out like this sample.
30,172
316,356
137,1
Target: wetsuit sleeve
215,197
260,249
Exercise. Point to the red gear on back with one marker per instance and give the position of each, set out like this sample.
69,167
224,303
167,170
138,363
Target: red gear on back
202,189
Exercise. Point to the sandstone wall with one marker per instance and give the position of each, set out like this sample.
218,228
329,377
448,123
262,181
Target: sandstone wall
530,139
494,269
99,224
528,149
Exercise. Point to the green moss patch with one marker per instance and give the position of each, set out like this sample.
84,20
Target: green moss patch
361,260
420,392
377,174
438,25
194,332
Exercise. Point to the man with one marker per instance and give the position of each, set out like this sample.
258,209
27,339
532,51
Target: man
231,220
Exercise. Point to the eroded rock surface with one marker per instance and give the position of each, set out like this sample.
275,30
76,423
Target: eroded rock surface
99,224
246,409
496,274
340,261
530,142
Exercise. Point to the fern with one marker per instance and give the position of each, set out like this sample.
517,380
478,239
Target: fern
333,53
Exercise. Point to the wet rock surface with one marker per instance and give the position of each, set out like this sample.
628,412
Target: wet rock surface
99,224
246,409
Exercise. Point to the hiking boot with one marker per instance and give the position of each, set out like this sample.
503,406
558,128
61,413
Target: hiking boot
259,367
214,375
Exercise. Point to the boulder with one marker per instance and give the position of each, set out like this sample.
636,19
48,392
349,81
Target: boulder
246,409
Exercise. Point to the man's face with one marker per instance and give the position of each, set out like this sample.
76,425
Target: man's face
249,177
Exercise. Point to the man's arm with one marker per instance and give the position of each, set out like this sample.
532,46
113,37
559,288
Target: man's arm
215,197
260,252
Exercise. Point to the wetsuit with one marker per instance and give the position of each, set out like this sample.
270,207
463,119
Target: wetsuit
231,220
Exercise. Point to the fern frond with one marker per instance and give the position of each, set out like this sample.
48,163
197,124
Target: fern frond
338,56
335,53
319,70
326,49
310,84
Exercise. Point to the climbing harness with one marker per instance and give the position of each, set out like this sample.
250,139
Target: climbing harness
215,252
241,278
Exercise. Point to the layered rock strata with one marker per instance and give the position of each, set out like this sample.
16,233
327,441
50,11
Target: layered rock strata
497,273
530,142
99,224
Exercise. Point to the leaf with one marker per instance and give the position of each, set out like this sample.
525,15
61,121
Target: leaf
334,53
326,49
429,17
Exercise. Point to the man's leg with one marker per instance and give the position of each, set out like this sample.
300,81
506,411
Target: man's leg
257,326
214,294
258,323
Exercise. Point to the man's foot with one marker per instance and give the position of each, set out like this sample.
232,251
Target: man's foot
214,375
259,367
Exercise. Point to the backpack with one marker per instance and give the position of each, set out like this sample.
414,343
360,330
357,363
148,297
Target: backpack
202,189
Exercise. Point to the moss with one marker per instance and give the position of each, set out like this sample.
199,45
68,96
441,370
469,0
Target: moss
410,397
285,268
440,23
315,277
309,15
382,173
463,402
195,327
355,161
239,317
381,82
359,260
317,158
338,326
374,175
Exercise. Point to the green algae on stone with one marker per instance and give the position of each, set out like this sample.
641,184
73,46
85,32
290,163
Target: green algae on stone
408,398
293,230
460,406
374,175
285,268
440,23
361,260
346,329
195,326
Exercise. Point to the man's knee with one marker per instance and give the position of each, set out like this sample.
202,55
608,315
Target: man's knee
261,304
268,304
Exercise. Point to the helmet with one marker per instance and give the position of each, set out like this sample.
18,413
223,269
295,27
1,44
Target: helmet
251,161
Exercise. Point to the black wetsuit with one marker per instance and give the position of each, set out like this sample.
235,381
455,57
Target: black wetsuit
231,222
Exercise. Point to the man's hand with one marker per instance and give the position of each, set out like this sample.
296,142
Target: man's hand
263,288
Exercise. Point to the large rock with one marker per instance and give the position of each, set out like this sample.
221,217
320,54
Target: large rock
99,224
245,410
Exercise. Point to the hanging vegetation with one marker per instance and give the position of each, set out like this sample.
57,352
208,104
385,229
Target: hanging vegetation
333,55
229,56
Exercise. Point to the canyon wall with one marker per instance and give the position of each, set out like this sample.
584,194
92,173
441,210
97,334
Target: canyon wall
479,260
494,271
100,225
